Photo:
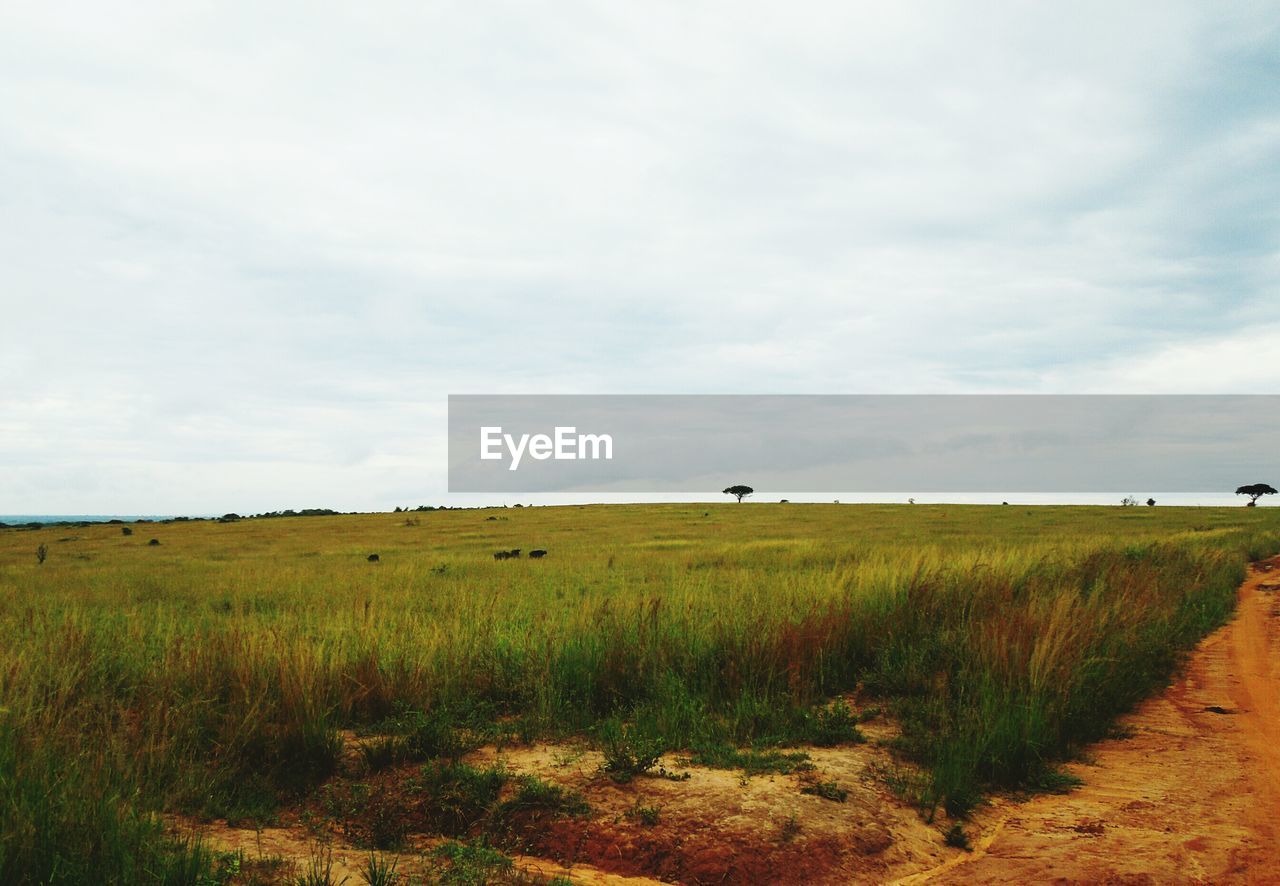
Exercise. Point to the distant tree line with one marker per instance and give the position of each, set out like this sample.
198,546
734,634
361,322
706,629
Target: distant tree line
305,512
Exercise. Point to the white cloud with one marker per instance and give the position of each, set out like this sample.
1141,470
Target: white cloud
261,240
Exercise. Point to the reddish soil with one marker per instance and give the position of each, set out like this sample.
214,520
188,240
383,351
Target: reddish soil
720,826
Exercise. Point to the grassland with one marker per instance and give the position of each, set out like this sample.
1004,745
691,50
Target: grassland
210,674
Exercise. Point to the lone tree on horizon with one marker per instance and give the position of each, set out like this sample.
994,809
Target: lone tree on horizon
740,492
1256,491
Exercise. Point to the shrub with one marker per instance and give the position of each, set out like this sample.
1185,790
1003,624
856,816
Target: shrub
833,725
434,734
956,838
627,751
378,871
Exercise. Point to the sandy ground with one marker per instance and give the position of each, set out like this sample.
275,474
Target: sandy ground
1191,795
716,826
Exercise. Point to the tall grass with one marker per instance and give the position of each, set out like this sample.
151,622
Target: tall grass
210,674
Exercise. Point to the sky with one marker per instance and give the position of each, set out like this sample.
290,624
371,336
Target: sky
248,249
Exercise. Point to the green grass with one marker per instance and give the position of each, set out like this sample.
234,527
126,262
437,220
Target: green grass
457,797
628,751
751,762
211,673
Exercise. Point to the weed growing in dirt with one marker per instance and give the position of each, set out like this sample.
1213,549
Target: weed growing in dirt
456,797
319,869
827,790
384,751
627,751
536,795
435,735
751,762
475,864
533,802
380,871
956,838
648,816
833,725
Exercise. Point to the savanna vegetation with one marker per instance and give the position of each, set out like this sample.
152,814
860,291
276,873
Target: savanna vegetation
210,674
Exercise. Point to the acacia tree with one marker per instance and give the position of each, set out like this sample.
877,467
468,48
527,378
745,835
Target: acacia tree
740,492
1256,491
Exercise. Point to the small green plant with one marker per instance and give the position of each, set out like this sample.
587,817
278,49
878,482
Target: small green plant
41,553
956,838
665,773
319,869
534,800
627,752
833,725
536,795
565,759
646,815
827,790
434,735
790,830
342,800
472,864
384,751
226,866
379,871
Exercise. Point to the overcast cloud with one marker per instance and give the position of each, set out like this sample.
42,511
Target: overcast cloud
249,248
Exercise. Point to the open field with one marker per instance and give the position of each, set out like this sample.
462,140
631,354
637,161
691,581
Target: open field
260,670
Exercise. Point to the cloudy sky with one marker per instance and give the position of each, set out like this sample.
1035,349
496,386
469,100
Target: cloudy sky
249,248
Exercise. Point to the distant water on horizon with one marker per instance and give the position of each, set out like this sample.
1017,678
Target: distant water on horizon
81,518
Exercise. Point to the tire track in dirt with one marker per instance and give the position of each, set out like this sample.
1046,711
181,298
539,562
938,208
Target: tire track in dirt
1192,796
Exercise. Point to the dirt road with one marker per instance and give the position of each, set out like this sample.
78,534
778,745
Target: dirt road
1192,796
